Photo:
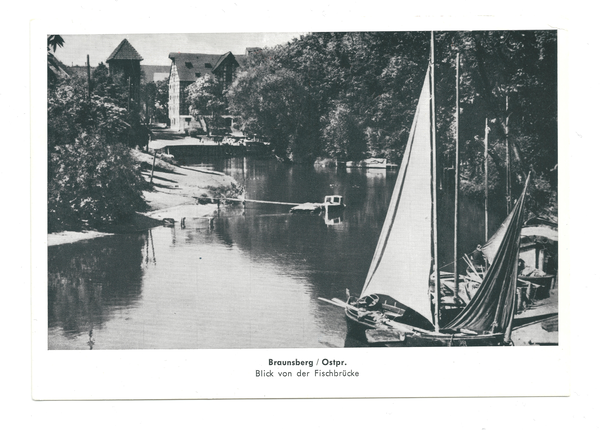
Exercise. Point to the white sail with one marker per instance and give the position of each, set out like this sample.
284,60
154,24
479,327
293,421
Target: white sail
402,262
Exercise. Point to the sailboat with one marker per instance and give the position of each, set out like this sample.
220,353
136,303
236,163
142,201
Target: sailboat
399,301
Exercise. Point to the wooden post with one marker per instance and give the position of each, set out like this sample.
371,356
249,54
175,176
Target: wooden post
485,164
153,161
436,294
456,181
89,82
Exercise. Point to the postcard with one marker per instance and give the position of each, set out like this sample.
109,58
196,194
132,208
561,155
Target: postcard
303,214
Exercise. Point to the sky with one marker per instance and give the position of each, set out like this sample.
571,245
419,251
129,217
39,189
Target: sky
155,48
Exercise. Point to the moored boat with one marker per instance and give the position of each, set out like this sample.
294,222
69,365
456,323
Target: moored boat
539,255
330,203
399,303
371,163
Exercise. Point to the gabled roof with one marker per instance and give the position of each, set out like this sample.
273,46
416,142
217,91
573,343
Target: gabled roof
223,58
124,52
192,66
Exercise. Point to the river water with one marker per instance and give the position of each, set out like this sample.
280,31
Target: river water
251,279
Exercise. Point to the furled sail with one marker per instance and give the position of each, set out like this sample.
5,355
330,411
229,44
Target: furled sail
401,265
492,307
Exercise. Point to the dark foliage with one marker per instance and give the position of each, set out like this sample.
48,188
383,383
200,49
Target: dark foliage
92,184
92,178
353,95
155,96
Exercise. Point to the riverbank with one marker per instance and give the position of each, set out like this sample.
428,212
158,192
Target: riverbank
174,195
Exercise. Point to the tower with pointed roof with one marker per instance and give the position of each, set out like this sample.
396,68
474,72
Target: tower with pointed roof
125,61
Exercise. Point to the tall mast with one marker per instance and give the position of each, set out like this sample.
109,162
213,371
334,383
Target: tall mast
456,182
485,157
436,295
508,188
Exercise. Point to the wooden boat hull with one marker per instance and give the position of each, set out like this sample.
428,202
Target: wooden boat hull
307,208
368,331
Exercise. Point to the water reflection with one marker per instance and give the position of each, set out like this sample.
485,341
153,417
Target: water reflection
333,217
248,278
86,282
148,256
91,341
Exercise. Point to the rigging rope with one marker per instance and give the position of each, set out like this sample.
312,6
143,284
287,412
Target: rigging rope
454,261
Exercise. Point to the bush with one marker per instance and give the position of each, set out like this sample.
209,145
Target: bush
223,191
92,184
92,176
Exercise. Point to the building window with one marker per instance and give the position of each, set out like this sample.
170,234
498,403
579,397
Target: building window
189,65
208,65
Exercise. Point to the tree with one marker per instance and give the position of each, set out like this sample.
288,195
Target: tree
71,114
343,134
92,178
204,97
92,184
161,101
327,93
155,100
277,106
56,70
111,88
55,41
515,66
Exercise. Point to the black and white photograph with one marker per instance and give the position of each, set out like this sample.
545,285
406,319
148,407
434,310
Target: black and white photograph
307,211
382,189
306,215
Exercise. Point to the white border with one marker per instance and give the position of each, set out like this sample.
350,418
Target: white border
193,374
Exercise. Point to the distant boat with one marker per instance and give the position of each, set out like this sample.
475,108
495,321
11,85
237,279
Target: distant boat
330,204
371,163
397,303
255,145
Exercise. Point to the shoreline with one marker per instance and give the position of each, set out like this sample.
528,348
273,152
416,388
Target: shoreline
174,196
